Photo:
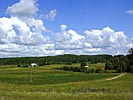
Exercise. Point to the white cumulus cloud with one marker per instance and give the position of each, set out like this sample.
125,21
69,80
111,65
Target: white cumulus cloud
68,39
24,34
24,8
106,41
51,15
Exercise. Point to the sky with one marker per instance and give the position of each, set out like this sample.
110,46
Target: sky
56,27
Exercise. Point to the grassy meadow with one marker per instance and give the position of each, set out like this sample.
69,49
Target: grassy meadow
50,84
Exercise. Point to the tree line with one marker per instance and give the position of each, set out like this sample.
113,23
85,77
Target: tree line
58,59
121,63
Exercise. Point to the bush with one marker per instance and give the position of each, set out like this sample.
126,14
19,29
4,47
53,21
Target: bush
119,69
110,71
66,68
72,68
69,63
25,65
93,70
108,66
76,69
83,64
18,65
80,69
131,68
99,70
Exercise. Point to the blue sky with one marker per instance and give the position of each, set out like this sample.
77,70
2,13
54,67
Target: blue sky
65,26
91,14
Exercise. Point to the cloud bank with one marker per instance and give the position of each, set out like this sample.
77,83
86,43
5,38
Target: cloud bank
23,34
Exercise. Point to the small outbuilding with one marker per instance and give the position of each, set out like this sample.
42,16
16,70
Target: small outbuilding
33,65
86,66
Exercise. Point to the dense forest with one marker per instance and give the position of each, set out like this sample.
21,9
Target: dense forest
121,63
59,59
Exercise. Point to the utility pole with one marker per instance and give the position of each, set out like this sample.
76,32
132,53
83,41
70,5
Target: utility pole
89,69
2,66
30,70
31,73
90,73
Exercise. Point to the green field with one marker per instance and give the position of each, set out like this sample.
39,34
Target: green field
50,84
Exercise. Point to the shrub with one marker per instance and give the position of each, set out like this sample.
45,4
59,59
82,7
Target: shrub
131,68
110,71
68,63
99,70
88,71
25,65
18,65
119,69
83,64
71,68
66,68
93,70
77,69
108,66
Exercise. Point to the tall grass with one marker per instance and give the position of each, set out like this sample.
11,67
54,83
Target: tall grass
50,84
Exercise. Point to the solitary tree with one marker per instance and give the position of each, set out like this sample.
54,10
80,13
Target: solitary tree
130,51
130,59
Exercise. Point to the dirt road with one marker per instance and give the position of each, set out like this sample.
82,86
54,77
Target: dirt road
116,77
